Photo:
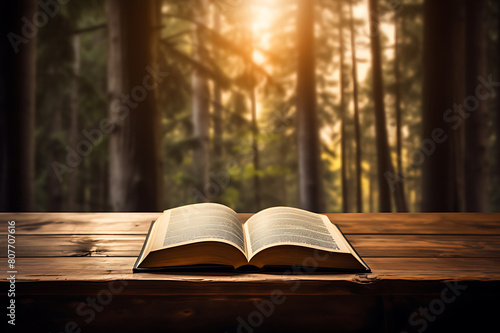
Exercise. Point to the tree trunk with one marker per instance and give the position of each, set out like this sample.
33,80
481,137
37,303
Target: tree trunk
476,125
17,107
496,172
443,88
357,132
283,157
255,144
54,186
95,171
371,208
253,107
400,189
103,188
384,164
397,98
217,118
73,131
310,189
343,139
135,182
201,112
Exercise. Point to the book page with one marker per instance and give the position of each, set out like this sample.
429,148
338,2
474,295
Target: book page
291,226
202,222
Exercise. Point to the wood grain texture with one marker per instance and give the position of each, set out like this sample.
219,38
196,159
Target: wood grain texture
80,223
106,268
102,269
350,223
65,259
123,245
60,253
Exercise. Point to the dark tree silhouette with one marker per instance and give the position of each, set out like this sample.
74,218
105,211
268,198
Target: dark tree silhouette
476,125
74,130
310,190
251,81
17,106
397,97
135,182
217,116
442,172
201,109
385,169
343,138
355,93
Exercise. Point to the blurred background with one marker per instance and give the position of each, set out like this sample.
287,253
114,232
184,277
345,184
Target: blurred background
327,105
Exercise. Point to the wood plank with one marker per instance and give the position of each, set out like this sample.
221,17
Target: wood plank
459,246
418,223
50,288
391,276
350,223
80,223
106,268
367,245
75,245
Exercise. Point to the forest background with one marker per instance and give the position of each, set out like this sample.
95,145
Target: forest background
327,105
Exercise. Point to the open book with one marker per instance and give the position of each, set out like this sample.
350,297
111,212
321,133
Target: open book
212,235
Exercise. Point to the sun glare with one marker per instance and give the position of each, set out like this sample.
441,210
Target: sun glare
263,13
258,57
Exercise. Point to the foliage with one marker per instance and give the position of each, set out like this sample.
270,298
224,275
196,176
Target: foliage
269,68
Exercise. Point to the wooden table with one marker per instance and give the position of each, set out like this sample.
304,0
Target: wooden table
440,272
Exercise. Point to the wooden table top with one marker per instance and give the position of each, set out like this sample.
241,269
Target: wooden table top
409,253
